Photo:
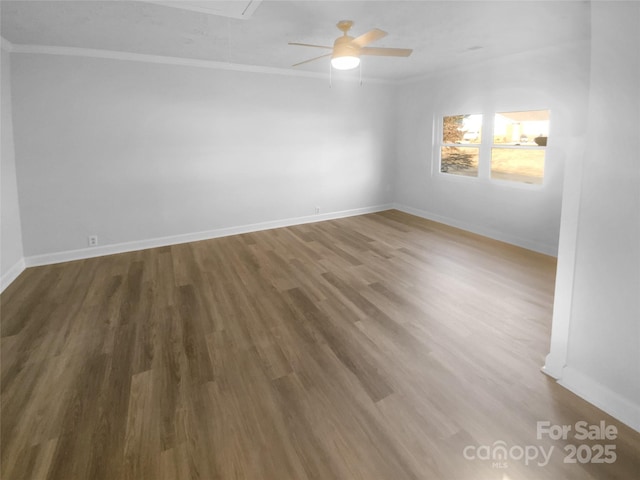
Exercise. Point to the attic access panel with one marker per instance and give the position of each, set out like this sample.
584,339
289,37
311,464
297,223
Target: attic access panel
242,9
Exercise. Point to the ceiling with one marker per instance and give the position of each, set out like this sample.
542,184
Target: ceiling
443,34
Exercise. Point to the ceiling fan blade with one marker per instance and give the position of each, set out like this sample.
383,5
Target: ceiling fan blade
312,59
369,37
309,45
386,52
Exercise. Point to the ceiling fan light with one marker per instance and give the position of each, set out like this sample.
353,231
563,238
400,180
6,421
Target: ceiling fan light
345,62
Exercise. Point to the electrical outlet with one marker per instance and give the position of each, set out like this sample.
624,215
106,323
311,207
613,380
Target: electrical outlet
93,240
317,210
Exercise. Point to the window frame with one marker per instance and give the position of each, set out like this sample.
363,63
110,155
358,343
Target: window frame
441,144
517,146
485,147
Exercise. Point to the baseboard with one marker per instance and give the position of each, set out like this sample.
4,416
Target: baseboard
12,274
70,255
602,397
485,232
550,371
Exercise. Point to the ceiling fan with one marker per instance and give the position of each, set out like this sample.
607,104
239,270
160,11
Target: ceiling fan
346,50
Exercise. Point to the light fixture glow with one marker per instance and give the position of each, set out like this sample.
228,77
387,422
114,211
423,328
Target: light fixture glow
345,62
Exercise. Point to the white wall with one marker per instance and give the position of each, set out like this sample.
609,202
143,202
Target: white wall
555,79
595,349
132,151
11,255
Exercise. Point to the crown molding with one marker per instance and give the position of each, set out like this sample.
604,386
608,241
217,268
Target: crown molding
465,66
166,60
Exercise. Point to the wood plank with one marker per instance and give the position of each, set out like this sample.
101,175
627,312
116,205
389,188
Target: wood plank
370,347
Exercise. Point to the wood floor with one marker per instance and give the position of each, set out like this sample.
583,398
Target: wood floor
372,347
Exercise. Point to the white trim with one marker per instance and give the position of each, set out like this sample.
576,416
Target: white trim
6,45
251,6
602,397
184,62
480,230
59,257
556,360
12,274
550,371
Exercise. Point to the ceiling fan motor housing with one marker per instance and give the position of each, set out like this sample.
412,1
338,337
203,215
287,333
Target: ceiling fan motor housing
343,47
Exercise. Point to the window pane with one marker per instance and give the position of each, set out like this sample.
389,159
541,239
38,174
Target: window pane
459,161
517,164
521,128
462,129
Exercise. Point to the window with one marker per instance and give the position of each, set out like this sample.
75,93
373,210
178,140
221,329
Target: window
516,152
461,137
519,141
